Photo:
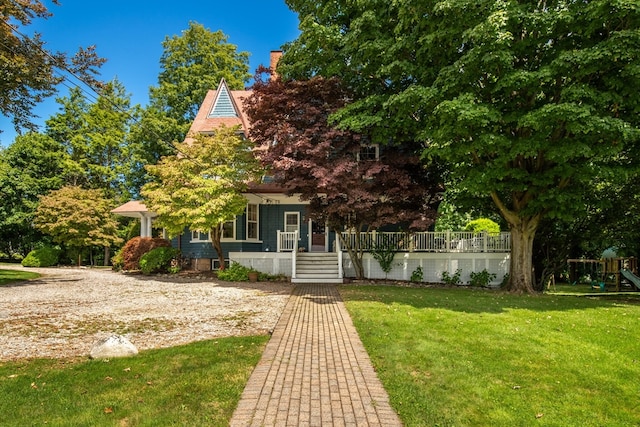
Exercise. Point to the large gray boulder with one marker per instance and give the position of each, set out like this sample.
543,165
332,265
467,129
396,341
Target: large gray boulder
113,346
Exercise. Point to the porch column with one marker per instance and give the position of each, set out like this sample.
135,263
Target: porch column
149,232
145,226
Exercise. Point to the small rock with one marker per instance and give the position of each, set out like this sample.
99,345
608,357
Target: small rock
113,346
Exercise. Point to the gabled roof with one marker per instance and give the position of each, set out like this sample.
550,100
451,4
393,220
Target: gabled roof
226,107
221,107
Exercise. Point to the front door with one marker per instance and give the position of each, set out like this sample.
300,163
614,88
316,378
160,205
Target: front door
318,236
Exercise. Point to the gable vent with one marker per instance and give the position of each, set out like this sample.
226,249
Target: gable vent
223,106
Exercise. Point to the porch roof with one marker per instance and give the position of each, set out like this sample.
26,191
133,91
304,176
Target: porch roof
133,209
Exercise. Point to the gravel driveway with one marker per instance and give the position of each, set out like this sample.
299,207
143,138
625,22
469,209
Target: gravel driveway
64,312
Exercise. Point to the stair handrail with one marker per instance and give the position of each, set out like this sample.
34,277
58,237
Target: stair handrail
339,249
294,254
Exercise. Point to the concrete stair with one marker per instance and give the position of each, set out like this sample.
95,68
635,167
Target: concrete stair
317,267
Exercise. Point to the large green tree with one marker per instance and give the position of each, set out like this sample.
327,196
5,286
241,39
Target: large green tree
193,63
201,186
30,167
96,139
527,101
29,71
149,139
107,125
78,218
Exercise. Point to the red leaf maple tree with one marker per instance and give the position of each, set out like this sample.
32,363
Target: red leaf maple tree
350,184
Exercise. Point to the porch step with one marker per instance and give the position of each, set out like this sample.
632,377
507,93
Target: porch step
317,267
317,270
334,281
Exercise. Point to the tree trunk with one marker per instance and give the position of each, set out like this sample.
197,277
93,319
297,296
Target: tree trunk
523,231
357,263
216,235
521,277
107,255
354,253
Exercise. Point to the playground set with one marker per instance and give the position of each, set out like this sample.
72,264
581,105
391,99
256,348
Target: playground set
606,273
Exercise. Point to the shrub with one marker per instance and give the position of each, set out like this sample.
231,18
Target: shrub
133,250
235,273
417,275
483,224
11,256
452,280
482,278
43,257
117,261
384,254
159,260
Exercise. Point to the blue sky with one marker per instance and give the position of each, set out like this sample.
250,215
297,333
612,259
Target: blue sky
129,34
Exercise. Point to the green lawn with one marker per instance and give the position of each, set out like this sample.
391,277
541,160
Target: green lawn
464,357
196,384
593,290
11,276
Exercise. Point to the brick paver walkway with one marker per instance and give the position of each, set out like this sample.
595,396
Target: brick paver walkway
314,370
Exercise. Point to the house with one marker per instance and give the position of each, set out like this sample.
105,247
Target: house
275,235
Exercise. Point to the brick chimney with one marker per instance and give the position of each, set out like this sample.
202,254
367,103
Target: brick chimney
275,57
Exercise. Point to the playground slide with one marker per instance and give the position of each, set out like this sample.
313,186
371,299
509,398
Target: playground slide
635,280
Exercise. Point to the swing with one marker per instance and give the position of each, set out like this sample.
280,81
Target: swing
595,284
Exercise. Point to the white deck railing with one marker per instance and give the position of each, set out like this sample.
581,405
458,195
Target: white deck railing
287,241
433,241
427,241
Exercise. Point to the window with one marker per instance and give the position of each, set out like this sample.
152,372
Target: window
228,231
252,221
291,221
369,152
198,236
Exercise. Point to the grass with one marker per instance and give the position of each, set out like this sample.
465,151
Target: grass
592,290
195,384
464,357
8,277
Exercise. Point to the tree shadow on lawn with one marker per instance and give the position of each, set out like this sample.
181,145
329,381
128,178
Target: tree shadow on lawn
466,299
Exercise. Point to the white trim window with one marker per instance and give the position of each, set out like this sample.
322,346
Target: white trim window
291,221
253,224
199,236
228,231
